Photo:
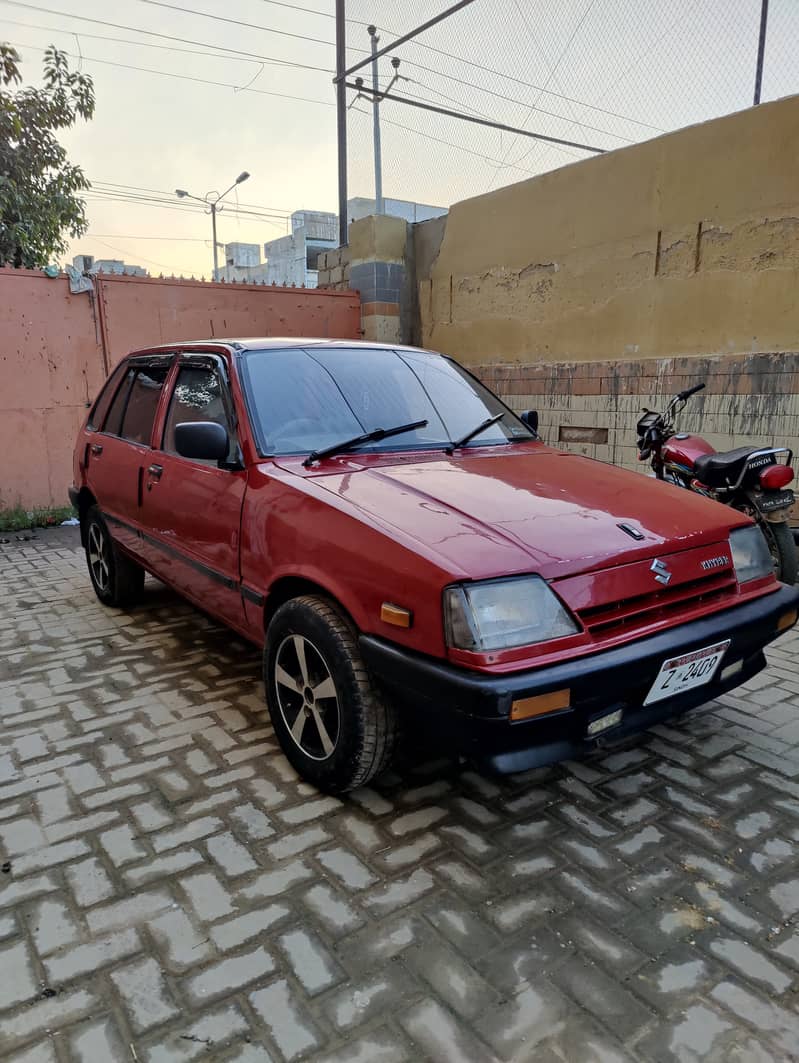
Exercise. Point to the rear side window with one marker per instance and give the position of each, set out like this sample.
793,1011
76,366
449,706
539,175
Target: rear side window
103,400
113,422
145,391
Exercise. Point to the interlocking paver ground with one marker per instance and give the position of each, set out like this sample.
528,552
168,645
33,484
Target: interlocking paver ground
169,890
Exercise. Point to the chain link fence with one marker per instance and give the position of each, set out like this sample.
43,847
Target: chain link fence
604,73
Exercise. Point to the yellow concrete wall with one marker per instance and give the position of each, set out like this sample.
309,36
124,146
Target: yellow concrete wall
686,244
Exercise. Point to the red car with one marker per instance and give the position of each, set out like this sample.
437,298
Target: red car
405,548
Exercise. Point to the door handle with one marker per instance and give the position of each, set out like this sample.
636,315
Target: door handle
154,472
97,448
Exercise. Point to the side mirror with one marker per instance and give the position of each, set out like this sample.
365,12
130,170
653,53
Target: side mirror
530,418
202,440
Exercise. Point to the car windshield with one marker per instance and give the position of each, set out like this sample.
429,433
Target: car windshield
306,399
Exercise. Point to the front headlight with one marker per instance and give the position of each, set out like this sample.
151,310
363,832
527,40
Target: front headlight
750,554
502,613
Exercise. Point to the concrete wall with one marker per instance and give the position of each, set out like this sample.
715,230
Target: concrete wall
686,244
57,349
610,284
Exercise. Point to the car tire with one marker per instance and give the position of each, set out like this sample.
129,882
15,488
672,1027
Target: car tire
117,580
333,725
782,548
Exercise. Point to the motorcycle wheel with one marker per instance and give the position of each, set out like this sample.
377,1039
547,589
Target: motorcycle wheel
782,548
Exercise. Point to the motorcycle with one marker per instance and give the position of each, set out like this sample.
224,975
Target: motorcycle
750,479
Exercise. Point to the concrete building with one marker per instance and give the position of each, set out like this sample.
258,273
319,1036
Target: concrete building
362,207
293,259
90,264
242,263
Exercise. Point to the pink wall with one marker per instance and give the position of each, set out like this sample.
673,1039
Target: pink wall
56,349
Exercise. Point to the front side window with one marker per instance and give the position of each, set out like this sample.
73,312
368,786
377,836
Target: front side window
305,399
197,397
145,391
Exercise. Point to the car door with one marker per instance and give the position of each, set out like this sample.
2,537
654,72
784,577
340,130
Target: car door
191,509
119,451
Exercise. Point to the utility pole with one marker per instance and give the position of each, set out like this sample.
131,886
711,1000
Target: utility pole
341,119
212,201
761,49
379,205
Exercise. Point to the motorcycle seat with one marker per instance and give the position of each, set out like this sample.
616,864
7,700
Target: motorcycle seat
723,469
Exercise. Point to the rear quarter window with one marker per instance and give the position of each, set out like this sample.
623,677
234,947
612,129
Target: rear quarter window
103,401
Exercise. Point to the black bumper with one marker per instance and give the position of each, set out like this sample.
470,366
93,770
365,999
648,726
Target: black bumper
73,495
472,709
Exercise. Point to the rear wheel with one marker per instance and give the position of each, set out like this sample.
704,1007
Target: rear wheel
117,580
782,549
331,722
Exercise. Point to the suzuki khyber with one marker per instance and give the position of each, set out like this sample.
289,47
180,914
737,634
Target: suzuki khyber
406,549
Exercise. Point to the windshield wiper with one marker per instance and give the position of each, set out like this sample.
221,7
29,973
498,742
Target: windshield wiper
458,443
367,437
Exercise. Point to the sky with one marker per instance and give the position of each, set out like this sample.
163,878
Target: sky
180,106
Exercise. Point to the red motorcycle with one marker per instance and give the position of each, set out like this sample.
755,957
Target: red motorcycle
753,480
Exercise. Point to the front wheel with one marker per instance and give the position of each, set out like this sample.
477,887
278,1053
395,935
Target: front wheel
782,549
333,725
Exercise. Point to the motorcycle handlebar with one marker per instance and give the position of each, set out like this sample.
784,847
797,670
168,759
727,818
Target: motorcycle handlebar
690,391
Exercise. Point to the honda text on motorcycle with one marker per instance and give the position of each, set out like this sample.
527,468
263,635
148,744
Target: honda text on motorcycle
753,480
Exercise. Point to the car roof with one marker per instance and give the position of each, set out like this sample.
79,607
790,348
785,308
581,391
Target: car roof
261,343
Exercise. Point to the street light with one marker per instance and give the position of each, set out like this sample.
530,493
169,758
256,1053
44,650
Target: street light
212,201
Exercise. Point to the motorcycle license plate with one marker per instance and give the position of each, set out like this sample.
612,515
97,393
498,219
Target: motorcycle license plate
679,674
779,500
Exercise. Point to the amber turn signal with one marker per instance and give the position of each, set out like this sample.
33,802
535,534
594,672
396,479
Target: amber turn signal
396,615
787,620
554,701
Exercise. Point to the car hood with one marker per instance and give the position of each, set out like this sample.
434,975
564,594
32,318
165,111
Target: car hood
525,509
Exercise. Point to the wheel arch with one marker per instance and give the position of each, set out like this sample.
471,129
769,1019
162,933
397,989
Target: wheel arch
85,501
287,587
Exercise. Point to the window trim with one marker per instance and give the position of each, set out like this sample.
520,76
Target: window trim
136,363
216,364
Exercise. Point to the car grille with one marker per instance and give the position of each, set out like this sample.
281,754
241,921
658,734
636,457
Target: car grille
656,606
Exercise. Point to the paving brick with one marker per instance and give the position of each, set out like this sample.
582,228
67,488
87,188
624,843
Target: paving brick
207,896
19,981
121,845
230,856
99,1041
129,911
198,828
289,1026
441,1036
208,1034
182,944
47,1015
85,958
235,932
273,883
311,962
162,866
89,882
52,926
50,856
144,994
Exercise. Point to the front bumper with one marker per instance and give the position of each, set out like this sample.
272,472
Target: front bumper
472,709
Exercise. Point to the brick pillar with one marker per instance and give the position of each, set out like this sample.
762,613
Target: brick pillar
378,270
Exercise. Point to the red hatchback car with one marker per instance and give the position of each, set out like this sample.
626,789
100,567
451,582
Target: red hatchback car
405,548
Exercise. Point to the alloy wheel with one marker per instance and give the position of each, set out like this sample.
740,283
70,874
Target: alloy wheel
98,553
307,698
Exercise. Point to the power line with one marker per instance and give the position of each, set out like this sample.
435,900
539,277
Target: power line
133,236
232,58
291,63
164,36
181,77
277,211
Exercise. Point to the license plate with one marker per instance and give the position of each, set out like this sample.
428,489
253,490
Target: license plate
684,673
781,500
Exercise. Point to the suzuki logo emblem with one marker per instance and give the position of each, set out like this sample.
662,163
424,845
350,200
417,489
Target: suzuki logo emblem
661,570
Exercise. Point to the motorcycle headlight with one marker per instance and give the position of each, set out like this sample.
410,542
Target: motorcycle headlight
502,613
750,554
